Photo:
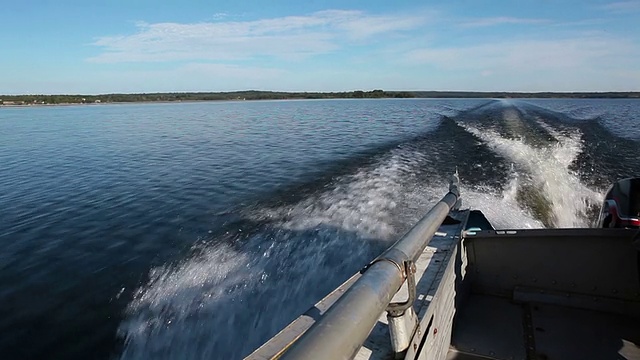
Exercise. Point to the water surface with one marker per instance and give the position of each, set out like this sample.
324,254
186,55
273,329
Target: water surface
198,230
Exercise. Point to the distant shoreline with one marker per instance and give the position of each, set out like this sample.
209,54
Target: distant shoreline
62,100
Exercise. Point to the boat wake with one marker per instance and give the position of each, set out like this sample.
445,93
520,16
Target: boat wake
245,284
270,262
542,181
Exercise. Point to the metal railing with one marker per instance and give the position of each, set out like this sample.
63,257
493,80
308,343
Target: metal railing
342,330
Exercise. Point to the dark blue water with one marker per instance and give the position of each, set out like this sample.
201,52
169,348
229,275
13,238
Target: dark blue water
198,230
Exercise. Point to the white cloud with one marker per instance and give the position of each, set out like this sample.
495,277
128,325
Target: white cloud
387,51
217,71
220,15
501,20
570,64
366,26
622,6
284,37
530,55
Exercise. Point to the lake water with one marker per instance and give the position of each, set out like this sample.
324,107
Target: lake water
198,230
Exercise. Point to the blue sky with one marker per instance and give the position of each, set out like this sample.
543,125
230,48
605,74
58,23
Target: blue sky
159,46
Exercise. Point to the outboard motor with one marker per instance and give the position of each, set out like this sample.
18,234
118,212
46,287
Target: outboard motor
621,207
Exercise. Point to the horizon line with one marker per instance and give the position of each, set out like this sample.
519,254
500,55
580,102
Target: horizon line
331,92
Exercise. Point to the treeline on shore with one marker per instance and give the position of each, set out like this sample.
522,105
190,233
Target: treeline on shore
198,96
277,95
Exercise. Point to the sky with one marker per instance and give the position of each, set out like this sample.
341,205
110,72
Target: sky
130,46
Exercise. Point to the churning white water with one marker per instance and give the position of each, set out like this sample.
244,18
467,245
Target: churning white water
223,302
547,168
244,287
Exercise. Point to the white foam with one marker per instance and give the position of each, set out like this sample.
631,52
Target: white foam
160,318
548,168
500,208
194,309
365,203
223,302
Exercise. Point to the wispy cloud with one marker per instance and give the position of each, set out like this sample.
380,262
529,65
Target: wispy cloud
585,23
236,72
569,64
285,37
220,15
623,6
501,20
530,55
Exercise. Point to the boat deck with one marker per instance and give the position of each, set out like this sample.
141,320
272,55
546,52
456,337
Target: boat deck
491,327
549,294
540,294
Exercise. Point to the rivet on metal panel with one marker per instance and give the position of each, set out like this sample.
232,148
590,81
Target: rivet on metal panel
491,353
573,284
554,282
473,349
435,331
535,280
415,347
615,291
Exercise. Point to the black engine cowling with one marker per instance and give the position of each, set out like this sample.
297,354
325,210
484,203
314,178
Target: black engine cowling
621,207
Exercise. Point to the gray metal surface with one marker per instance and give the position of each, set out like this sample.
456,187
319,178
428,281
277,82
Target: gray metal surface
566,333
345,327
414,242
578,301
273,348
437,311
436,271
594,262
550,294
401,329
489,327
